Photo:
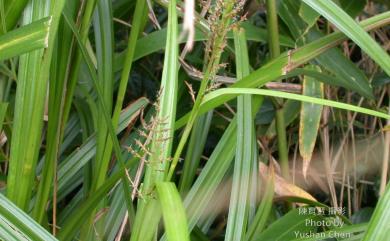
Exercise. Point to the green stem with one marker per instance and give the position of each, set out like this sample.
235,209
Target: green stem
282,142
76,63
274,48
273,32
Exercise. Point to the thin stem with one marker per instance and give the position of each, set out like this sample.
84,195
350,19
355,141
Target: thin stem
274,48
386,154
272,25
282,142
216,46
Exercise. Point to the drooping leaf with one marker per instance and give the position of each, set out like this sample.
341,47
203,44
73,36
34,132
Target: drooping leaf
284,188
349,27
310,119
288,61
345,73
25,39
220,96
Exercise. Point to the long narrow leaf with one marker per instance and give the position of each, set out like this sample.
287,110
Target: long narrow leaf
219,96
290,60
25,39
146,221
20,224
310,120
378,227
349,27
246,153
174,216
28,118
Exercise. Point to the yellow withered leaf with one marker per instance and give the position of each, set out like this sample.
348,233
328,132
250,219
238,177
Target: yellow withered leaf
284,188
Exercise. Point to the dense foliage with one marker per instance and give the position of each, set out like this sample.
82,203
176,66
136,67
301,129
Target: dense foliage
194,120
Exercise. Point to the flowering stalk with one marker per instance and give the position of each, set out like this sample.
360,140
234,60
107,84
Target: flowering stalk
221,23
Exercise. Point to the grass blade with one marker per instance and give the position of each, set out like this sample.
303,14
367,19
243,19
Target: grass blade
71,226
156,41
378,227
19,223
77,159
3,111
28,118
288,61
30,37
107,119
104,40
310,119
348,74
219,96
349,27
57,91
264,210
146,221
174,216
194,151
242,188
24,151
287,226
12,12
197,200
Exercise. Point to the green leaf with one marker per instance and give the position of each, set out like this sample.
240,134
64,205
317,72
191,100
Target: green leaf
353,8
28,118
17,225
308,15
347,232
264,210
71,226
156,41
288,61
310,119
145,224
378,227
194,151
12,12
246,153
25,39
101,101
287,227
104,40
219,96
57,90
76,160
200,195
345,73
3,111
197,200
34,70
349,27
174,216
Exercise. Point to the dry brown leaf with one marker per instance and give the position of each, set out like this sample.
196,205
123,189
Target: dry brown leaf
284,188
